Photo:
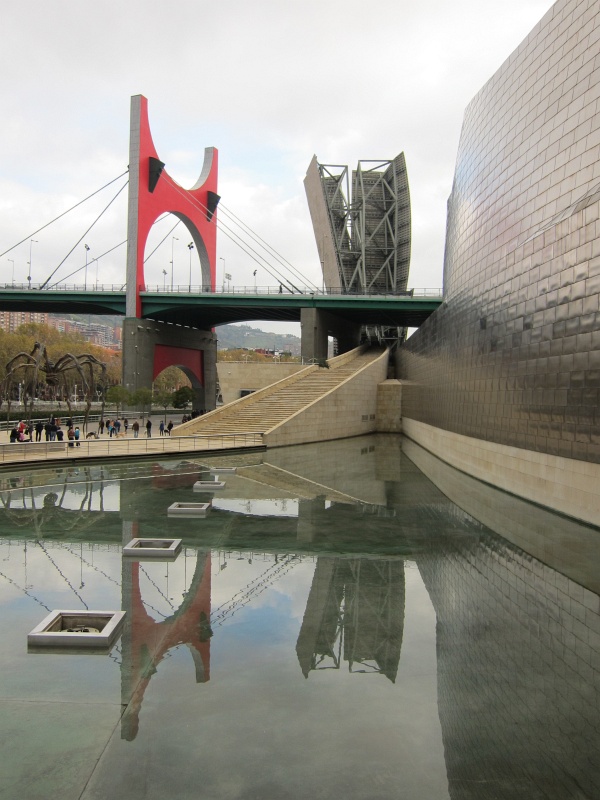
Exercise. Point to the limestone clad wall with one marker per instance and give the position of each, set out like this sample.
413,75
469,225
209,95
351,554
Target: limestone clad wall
237,375
389,407
566,485
348,410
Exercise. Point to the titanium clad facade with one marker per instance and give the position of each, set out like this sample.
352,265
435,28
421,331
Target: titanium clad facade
363,238
513,355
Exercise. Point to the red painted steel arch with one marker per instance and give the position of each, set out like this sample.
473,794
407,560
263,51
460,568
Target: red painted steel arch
153,192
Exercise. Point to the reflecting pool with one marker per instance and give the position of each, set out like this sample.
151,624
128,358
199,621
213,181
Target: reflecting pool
352,619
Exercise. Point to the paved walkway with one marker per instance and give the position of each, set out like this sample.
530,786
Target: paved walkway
124,445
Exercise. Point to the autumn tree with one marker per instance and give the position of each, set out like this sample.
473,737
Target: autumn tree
118,395
142,398
163,399
183,397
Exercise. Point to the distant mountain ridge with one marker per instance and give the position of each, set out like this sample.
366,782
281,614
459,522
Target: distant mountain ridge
229,336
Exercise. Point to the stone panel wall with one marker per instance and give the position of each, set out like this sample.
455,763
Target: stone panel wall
349,409
235,376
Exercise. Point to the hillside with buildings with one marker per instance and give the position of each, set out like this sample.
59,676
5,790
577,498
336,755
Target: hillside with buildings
106,331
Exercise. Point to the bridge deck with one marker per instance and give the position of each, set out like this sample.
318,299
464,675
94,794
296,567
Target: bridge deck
207,310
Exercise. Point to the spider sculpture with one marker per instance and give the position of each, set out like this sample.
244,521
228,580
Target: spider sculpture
26,369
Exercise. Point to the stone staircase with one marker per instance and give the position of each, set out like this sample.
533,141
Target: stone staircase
263,410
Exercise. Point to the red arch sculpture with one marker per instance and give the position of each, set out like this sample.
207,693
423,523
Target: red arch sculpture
153,192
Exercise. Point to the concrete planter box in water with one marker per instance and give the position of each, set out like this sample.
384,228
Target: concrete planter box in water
208,486
155,549
77,629
188,509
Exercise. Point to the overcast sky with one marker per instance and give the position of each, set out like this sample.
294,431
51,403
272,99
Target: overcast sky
269,83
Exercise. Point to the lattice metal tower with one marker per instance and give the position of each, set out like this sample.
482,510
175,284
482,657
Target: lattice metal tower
363,238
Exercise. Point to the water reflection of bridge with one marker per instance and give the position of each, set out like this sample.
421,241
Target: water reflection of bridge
354,613
146,642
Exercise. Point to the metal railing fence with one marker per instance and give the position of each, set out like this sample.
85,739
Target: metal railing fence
105,447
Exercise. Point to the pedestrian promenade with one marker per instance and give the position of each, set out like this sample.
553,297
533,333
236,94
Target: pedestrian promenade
123,446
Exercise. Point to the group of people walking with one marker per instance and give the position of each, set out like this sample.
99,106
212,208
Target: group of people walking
113,427
53,430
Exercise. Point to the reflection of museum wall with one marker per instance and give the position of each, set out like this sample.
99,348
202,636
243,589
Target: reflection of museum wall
558,541
518,674
513,355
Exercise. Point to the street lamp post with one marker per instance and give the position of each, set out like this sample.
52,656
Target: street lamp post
190,248
223,260
31,243
164,280
87,250
173,239
13,270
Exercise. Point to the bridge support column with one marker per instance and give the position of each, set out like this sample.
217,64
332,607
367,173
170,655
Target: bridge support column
150,346
316,325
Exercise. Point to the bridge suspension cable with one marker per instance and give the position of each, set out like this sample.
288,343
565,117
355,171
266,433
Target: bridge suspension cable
105,253
283,271
249,250
257,238
164,237
110,250
104,210
64,213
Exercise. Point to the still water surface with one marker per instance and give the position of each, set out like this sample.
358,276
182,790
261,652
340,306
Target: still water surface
338,626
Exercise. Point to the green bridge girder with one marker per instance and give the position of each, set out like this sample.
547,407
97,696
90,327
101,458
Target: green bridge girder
210,310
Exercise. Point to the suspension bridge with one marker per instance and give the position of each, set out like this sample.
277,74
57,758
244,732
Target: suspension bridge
200,306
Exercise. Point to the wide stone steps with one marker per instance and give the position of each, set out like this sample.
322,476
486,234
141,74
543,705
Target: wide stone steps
268,411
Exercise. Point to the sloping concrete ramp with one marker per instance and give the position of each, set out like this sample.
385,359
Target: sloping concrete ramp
315,404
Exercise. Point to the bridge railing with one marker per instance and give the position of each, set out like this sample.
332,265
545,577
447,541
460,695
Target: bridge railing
219,290
277,290
63,287
22,452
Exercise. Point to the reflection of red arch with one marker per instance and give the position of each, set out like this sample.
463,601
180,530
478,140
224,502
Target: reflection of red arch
146,642
153,192
184,357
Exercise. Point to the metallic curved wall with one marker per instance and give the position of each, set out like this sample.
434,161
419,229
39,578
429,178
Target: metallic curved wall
513,355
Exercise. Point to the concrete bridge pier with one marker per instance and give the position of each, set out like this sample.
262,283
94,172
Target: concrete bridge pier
316,325
149,347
